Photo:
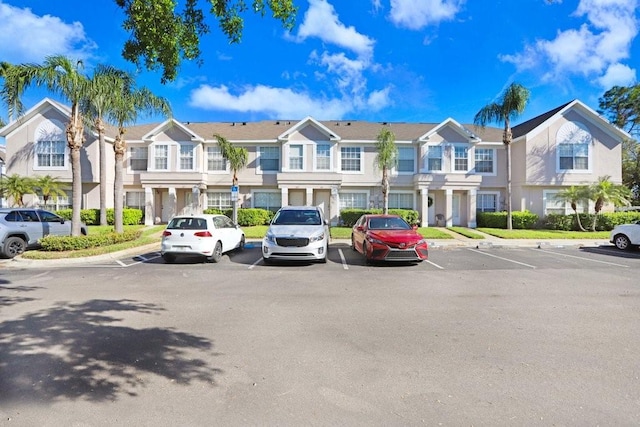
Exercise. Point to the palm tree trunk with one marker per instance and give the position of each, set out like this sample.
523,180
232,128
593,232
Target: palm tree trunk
385,190
118,189
102,146
75,138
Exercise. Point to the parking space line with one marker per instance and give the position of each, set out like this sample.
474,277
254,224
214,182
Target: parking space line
582,258
434,264
504,259
255,263
344,260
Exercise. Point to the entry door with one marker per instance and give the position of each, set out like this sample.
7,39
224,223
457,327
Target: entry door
456,209
321,199
168,206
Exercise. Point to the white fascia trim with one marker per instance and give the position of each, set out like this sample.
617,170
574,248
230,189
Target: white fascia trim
470,136
169,123
309,120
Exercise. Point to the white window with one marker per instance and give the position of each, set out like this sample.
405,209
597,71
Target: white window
55,203
484,160
434,158
219,200
269,159
51,154
323,157
134,200
460,158
554,205
215,160
400,201
573,148
406,159
269,200
296,157
353,200
351,159
138,158
161,156
487,202
186,157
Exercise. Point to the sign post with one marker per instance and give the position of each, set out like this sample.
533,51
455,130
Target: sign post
234,201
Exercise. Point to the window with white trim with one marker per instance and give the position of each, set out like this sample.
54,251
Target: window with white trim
487,202
323,157
400,200
434,158
351,159
269,159
219,200
355,200
406,159
55,203
138,158
296,157
134,200
51,154
555,205
269,200
186,156
215,159
460,158
573,147
484,160
161,156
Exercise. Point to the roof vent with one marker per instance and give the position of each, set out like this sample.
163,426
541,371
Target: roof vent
244,123
348,123
278,122
233,124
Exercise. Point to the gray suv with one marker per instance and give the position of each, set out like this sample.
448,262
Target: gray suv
22,228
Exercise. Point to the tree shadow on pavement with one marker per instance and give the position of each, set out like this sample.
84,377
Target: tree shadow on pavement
83,351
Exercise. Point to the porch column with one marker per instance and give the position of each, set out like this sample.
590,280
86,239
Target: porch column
334,205
471,203
424,207
149,207
309,199
172,205
284,196
448,207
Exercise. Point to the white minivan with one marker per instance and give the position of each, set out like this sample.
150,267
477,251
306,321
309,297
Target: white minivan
297,233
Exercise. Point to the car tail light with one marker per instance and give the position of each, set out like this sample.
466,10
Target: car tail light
166,233
202,234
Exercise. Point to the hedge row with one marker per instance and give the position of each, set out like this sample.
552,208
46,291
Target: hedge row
349,217
72,243
527,220
247,217
92,216
519,219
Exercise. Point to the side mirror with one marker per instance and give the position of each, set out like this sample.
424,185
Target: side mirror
415,226
359,228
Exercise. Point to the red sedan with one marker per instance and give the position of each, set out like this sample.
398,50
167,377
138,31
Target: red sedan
388,238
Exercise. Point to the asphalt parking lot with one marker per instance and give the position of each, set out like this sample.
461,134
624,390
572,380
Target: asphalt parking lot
475,336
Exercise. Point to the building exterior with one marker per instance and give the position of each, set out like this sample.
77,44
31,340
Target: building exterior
446,171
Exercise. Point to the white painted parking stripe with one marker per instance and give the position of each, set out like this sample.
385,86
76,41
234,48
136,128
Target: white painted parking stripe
582,258
504,259
435,265
255,263
344,261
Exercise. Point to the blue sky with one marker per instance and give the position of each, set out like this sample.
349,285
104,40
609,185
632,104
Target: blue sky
379,60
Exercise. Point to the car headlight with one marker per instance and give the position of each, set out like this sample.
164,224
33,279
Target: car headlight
373,240
270,238
421,242
317,238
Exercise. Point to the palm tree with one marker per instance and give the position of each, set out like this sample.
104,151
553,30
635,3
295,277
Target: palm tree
48,187
105,81
62,77
127,103
238,157
511,104
603,192
12,88
574,195
16,187
386,159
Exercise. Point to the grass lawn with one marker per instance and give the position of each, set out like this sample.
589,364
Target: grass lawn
545,234
467,232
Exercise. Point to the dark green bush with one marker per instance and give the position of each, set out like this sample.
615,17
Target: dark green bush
606,221
247,217
349,217
130,216
71,243
519,219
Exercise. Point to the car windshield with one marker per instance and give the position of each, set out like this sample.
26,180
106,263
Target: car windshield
388,223
297,217
187,224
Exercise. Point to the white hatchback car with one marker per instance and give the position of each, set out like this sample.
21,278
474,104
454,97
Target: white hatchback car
297,233
625,236
203,235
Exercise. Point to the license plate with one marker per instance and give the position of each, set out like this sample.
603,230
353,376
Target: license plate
180,248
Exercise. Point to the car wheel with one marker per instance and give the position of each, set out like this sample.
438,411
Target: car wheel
13,246
242,243
217,253
168,258
367,260
353,244
622,242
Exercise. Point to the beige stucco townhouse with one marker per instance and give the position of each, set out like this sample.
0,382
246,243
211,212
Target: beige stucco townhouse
446,171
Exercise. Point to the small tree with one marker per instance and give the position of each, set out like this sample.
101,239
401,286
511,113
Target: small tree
15,187
238,157
603,192
574,195
386,159
47,187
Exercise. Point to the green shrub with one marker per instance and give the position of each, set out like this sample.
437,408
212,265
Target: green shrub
606,221
519,219
349,217
247,217
212,211
130,216
71,243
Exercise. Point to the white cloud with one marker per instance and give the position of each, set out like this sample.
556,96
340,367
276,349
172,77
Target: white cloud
26,37
417,14
321,21
618,75
596,49
274,102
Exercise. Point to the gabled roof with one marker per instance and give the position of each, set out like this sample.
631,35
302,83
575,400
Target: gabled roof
312,122
168,124
450,122
43,105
